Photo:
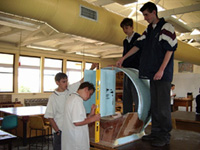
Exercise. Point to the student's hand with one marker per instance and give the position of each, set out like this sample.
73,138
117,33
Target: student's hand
93,108
97,117
158,75
119,62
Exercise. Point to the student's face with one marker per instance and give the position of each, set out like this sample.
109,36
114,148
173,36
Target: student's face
62,84
150,17
88,94
128,30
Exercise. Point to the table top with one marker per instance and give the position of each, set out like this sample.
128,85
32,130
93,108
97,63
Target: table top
183,98
25,111
6,136
186,116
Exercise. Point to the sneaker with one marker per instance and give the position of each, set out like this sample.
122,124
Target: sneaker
159,142
149,137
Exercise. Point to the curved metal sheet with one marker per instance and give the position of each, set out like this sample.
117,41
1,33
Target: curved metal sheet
143,92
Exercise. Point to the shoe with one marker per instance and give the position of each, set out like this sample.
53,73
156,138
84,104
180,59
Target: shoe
159,142
149,137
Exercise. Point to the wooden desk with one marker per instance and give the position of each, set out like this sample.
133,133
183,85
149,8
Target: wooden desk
24,113
6,138
182,101
187,120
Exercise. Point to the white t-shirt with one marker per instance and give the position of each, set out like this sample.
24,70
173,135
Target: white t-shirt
74,137
56,104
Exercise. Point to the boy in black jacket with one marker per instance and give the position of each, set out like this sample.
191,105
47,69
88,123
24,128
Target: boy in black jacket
129,91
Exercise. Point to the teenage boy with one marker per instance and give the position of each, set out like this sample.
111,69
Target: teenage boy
56,103
158,43
75,135
129,91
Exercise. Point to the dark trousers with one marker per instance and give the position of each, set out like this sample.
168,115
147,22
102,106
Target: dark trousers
57,141
161,108
129,96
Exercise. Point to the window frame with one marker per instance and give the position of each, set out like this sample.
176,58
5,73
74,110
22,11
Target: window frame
62,60
13,73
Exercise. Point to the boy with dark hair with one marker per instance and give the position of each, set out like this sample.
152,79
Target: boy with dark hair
75,133
158,43
56,103
129,91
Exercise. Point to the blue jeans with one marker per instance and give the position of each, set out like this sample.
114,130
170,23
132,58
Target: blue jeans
57,141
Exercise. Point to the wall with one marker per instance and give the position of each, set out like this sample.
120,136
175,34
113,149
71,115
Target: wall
186,82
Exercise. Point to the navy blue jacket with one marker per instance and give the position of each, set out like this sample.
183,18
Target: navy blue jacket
134,60
155,43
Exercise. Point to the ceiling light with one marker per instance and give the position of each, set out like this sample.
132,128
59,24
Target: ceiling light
195,32
190,41
86,54
182,21
174,16
42,48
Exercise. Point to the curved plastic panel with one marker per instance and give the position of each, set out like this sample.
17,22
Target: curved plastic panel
143,92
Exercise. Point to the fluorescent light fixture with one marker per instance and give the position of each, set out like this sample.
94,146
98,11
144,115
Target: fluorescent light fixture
42,48
174,16
182,21
195,32
190,41
86,54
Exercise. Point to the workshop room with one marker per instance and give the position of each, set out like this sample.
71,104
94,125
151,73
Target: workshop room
100,74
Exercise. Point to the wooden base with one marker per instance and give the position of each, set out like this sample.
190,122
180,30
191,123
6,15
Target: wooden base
114,130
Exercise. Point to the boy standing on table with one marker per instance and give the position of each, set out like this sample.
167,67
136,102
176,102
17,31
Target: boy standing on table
129,91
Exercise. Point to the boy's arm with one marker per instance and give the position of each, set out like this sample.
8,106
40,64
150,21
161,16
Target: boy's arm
92,112
88,120
132,51
91,117
53,124
160,72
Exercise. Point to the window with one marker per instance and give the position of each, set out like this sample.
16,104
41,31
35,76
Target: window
74,71
29,75
6,72
88,66
51,68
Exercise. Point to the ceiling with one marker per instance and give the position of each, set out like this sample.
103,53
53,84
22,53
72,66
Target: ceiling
26,32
